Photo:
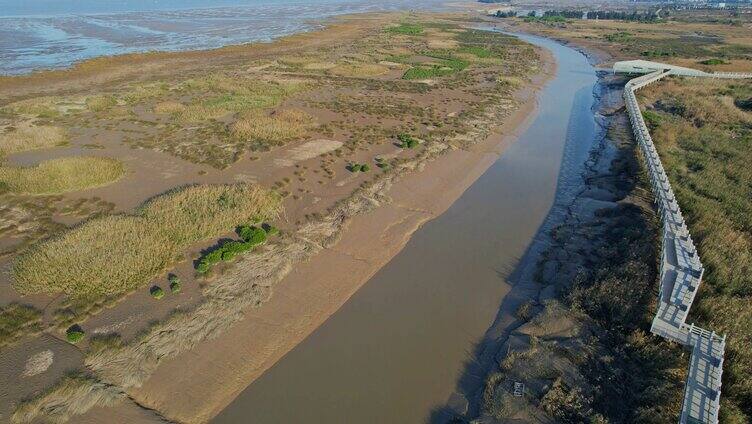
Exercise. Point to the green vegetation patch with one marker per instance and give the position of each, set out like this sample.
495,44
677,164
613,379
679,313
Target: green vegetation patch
406,29
175,283
17,321
713,61
447,65
62,175
407,141
477,51
619,37
358,167
115,254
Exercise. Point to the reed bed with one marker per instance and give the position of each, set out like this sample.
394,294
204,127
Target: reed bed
27,136
272,129
62,175
116,254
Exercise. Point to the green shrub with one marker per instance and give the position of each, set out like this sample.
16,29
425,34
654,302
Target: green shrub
714,62
355,167
157,292
408,141
74,334
175,284
365,168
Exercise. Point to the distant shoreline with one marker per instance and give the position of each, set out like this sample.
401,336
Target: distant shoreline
61,41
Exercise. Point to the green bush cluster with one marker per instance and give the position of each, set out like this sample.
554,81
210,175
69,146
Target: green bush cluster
408,141
358,167
74,334
251,236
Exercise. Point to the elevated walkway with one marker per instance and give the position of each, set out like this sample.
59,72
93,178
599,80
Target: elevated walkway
681,269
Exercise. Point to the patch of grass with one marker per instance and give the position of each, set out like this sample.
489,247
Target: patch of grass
100,102
447,65
406,29
74,334
139,93
169,108
42,107
619,37
239,94
652,119
62,175
362,70
17,321
26,137
272,129
87,262
477,51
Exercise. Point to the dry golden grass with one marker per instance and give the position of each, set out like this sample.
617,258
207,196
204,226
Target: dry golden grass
189,113
275,129
73,395
168,108
319,66
38,106
362,70
62,175
139,93
116,254
27,136
100,102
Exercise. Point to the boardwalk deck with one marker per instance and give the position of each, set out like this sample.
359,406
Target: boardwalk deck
681,269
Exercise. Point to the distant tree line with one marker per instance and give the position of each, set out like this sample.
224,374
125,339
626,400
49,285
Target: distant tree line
560,15
576,14
623,16
507,14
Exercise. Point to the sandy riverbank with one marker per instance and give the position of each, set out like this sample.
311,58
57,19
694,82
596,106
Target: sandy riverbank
221,368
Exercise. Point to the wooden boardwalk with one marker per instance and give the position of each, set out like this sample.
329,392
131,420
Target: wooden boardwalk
681,271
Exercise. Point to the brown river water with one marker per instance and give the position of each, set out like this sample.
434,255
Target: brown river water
396,351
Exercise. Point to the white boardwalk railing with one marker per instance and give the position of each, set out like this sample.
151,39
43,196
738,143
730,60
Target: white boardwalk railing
680,274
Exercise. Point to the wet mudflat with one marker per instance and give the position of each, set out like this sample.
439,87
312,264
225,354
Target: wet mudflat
395,350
